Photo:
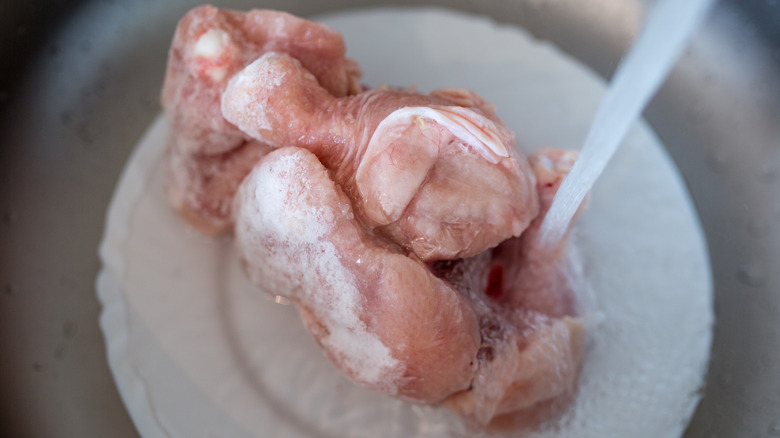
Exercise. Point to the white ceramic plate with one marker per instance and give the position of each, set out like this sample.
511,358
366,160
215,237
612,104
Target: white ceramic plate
197,351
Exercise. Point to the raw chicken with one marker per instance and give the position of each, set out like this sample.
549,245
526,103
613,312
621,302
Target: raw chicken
451,332
210,45
403,226
438,174
532,340
201,186
382,317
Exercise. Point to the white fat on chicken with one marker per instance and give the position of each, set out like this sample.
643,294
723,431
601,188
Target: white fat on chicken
209,48
282,232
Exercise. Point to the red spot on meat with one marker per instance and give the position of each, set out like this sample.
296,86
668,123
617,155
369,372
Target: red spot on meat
495,282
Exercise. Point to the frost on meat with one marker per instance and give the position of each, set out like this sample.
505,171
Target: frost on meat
402,225
209,47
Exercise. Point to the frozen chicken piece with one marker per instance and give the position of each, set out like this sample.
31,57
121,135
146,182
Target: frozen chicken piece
442,179
402,225
532,337
211,45
208,155
202,187
427,333
382,318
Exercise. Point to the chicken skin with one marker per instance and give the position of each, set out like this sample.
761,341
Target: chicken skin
442,178
454,332
209,156
402,225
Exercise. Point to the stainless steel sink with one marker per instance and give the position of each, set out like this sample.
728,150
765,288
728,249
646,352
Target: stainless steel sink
80,82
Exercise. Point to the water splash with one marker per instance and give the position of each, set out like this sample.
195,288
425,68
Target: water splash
667,29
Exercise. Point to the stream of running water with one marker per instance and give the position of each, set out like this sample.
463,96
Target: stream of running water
667,29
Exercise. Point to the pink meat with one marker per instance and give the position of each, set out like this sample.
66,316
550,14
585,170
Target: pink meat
211,45
438,173
208,154
381,317
452,331
201,187
526,294
403,226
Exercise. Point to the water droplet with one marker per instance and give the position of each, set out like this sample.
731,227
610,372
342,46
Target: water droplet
68,329
9,217
84,132
278,299
774,428
105,67
750,275
766,173
53,51
9,289
66,118
718,162
149,104
758,228
37,367
85,46
698,114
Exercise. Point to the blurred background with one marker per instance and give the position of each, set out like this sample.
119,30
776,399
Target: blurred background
79,83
